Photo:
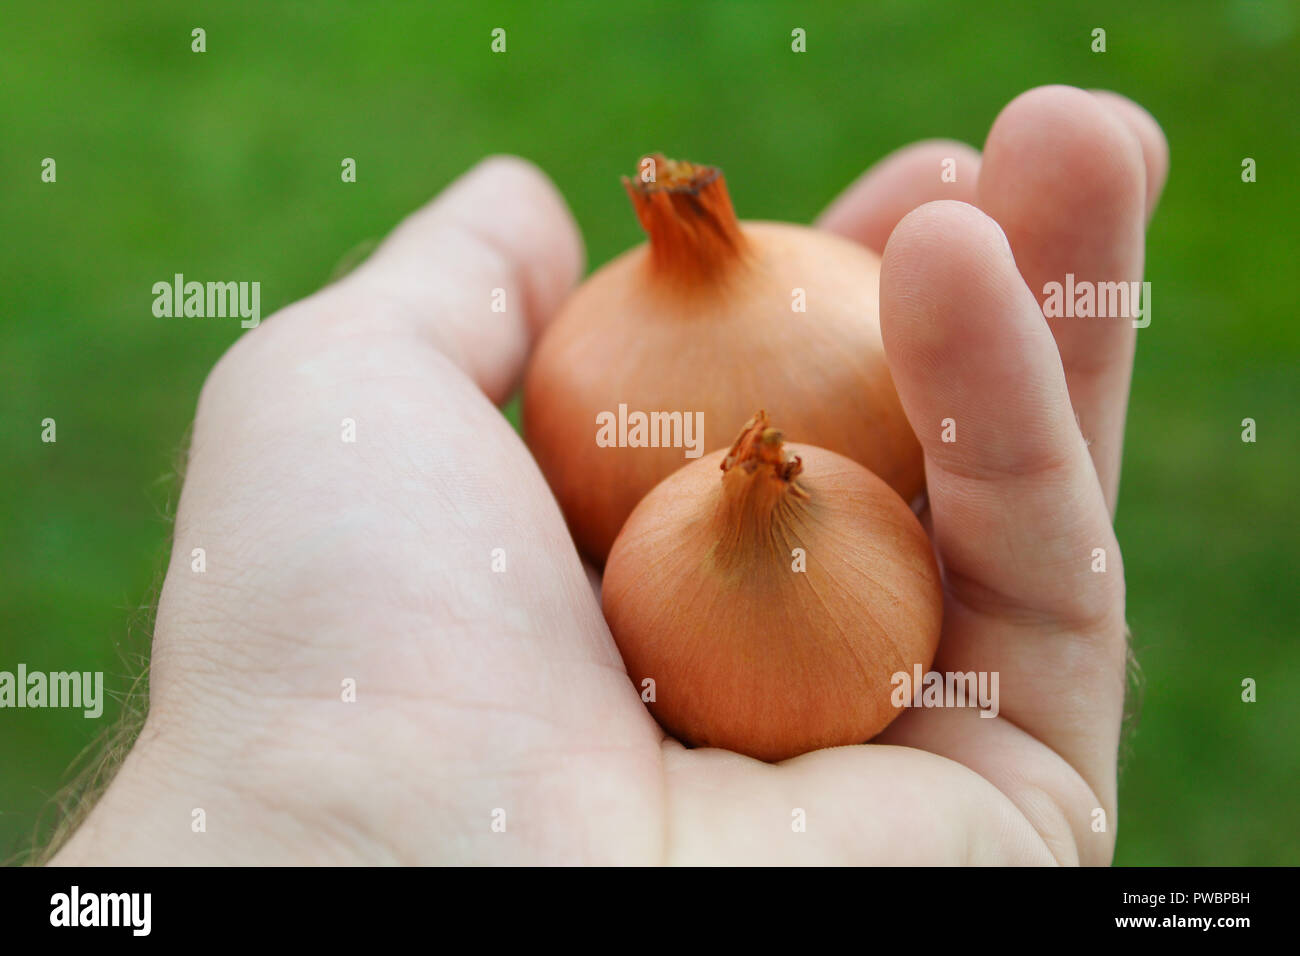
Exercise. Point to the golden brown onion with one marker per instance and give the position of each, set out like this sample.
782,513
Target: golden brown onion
702,319
773,604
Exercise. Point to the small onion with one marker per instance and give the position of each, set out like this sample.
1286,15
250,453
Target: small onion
773,606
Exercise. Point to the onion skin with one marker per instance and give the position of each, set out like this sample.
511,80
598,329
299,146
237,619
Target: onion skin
700,320
748,654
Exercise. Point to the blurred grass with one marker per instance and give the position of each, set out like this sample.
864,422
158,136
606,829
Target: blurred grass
225,165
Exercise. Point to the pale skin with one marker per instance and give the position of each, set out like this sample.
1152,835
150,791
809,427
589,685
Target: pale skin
370,561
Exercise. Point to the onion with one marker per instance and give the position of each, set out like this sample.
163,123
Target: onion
702,319
705,595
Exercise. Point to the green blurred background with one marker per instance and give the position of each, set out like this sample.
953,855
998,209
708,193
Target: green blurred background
225,165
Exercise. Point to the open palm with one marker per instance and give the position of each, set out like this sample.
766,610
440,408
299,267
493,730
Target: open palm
426,565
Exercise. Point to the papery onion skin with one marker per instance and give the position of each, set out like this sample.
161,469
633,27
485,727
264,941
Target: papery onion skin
748,654
711,329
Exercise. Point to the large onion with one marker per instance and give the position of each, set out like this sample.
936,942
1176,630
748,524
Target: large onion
703,319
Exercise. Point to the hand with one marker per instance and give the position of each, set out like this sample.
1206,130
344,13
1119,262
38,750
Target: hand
371,561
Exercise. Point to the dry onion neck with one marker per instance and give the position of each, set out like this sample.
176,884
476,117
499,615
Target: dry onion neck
760,493
687,213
